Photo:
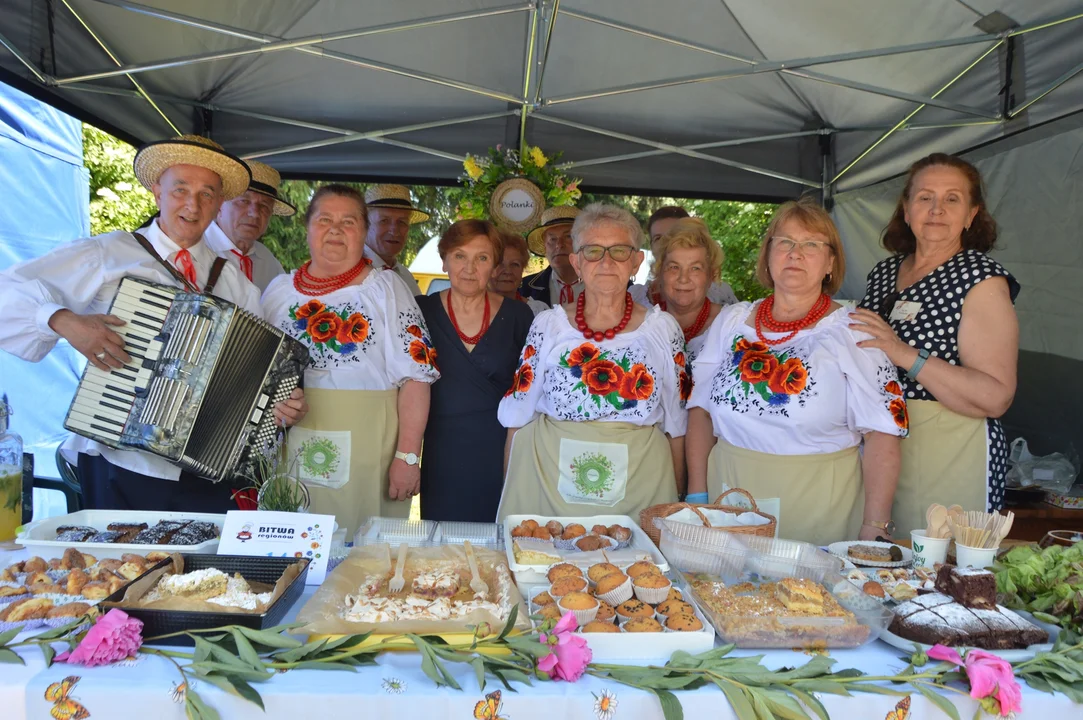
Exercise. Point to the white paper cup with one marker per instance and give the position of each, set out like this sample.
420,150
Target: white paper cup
928,551
974,557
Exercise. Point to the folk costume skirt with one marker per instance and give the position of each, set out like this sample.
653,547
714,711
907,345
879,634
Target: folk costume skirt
944,460
344,448
821,496
560,468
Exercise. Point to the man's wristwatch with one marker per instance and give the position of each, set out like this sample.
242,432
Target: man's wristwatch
408,458
888,527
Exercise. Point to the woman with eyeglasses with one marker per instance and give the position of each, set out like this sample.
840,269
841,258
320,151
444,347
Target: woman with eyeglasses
783,397
944,313
594,415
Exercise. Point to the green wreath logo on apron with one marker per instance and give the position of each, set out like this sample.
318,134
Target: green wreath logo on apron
319,457
592,474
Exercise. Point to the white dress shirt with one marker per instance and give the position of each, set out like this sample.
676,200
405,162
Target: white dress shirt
83,277
399,269
265,266
555,285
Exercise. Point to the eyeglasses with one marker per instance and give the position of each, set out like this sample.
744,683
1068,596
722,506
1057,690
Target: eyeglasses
594,253
807,247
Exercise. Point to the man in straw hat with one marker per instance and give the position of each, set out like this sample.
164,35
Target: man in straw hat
557,284
390,215
66,293
235,234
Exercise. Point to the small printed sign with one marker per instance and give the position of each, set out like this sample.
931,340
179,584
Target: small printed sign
280,534
517,205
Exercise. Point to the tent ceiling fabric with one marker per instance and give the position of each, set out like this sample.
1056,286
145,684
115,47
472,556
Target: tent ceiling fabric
669,98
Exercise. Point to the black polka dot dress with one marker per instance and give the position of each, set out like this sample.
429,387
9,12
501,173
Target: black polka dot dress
936,329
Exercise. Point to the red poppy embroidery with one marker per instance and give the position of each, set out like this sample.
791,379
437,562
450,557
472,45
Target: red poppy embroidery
419,352
788,378
744,345
355,329
686,385
602,377
324,326
637,383
528,352
415,331
310,308
899,413
678,359
894,388
757,366
583,355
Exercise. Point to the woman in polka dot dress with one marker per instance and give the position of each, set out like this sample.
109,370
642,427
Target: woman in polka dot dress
943,311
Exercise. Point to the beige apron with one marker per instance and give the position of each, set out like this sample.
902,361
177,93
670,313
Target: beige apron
371,418
578,469
822,497
944,460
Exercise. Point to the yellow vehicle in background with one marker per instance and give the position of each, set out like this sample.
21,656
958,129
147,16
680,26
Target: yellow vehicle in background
428,269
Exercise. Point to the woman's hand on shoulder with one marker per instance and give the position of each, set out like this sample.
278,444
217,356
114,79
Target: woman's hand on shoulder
883,337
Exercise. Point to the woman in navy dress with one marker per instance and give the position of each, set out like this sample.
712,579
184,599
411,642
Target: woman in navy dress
477,335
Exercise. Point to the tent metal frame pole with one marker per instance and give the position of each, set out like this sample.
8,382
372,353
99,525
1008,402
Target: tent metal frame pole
544,59
41,77
1048,89
419,148
914,112
113,57
371,134
679,150
528,61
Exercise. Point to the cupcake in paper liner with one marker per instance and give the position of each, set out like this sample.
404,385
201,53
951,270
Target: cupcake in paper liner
568,584
586,543
614,588
584,606
634,609
681,623
652,588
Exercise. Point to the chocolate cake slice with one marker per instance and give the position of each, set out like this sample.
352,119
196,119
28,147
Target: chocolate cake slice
194,533
160,534
75,533
128,531
973,587
106,536
1003,633
975,633
1029,633
927,627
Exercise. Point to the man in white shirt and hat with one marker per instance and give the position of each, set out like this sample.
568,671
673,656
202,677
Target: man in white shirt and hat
391,212
557,284
67,293
235,234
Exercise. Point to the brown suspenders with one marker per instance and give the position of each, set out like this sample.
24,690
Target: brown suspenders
216,268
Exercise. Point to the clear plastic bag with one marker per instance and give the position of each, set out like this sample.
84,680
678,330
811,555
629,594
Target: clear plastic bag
1056,472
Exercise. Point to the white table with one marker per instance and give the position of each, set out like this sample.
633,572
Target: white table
145,689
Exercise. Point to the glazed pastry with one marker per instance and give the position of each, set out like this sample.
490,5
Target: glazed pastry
599,530
520,532
8,575
588,543
49,588
95,591
110,564
555,528
130,570
35,564
28,609
873,588
620,533
156,556
38,577
72,558
8,591
530,525
68,610
573,531
541,534
115,583
54,564
88,560
77,579
160,534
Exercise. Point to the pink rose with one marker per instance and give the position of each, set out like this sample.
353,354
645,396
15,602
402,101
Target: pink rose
570,654
113,637
989,676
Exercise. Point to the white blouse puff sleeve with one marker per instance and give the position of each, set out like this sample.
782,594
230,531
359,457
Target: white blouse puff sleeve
519,405
380,342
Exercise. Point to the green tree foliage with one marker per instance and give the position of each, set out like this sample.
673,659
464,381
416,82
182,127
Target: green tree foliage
739,227
117,200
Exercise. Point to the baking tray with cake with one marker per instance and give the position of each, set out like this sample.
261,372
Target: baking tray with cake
866,553
114,533
529,557
962,613
199,592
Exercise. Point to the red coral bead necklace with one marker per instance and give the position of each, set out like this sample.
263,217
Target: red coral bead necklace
599,335
765,319
468,339
307,284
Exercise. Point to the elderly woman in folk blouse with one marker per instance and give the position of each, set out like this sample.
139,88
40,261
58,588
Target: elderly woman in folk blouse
784,396
597,379
372,364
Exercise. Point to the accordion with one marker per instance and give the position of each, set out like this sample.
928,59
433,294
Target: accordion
200,387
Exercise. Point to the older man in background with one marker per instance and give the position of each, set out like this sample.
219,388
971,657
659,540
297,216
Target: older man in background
557,284
391,212
235,234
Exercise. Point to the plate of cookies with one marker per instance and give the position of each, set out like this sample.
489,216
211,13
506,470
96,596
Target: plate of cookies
867,553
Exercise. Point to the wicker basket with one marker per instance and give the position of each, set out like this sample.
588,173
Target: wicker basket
646,516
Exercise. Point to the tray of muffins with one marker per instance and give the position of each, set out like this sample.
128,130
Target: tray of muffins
534,542
114,533
631,612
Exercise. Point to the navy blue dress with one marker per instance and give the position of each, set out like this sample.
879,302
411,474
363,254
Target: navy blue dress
462,463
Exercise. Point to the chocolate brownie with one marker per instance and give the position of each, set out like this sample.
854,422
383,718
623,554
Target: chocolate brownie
128,530
74,533
106,536
927,627
975,633
160,534
972,587
195,533
1029,634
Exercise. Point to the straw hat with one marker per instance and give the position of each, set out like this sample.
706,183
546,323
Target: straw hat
155,158
564,215
265,181
394,196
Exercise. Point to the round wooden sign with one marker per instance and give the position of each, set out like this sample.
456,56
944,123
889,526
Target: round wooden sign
517,205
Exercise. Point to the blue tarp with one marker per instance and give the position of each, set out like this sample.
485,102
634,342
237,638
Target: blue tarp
44,201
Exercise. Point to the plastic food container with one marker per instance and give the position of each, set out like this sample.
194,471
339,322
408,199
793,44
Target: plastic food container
488,535
395,531
759,629
774,558
692,548
40,538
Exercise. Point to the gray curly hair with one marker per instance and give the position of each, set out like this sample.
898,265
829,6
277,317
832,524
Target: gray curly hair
597,214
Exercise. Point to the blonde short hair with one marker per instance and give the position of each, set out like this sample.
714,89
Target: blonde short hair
814,219
690,233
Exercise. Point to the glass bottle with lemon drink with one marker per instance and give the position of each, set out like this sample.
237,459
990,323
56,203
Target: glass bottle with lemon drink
11,476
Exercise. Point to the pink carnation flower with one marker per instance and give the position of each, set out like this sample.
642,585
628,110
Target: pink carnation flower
113,637
989,676
570,653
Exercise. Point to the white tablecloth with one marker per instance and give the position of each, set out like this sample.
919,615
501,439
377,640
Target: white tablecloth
397,688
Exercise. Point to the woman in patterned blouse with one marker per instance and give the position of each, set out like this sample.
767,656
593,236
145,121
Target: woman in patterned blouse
372,364
943,311
595,415
784,397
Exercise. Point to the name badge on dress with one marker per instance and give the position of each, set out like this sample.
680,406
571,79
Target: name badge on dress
905,311
593,473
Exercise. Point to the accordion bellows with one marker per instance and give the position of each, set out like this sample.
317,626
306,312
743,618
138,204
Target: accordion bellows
199,390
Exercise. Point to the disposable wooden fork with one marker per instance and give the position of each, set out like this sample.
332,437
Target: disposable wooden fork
476,583
398,582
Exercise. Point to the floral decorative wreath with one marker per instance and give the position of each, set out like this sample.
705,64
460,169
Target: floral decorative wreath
483,174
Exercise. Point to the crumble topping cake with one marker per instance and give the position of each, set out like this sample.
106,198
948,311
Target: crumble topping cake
211,585
438,593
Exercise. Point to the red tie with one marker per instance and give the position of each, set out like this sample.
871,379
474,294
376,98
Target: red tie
187,267
246,264
566,294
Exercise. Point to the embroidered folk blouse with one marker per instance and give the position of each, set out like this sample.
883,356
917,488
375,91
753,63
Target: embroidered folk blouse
370,336
638,377
817,393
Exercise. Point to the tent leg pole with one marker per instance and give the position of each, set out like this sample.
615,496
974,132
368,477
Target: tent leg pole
531,45
827,189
